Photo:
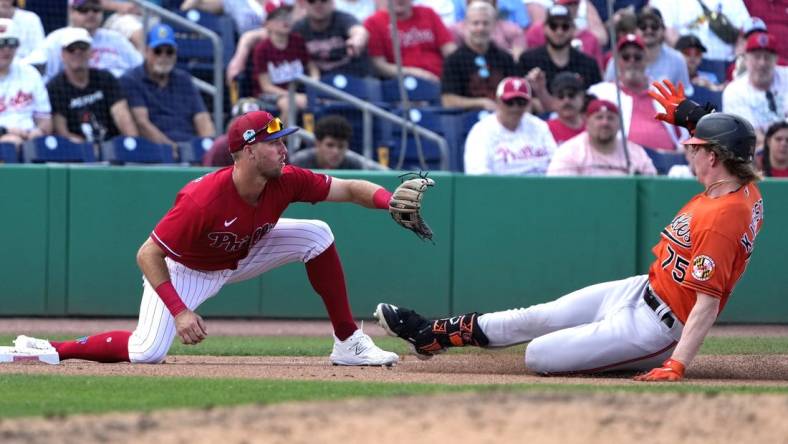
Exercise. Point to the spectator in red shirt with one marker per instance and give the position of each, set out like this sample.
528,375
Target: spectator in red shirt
569,92
279,58
424,41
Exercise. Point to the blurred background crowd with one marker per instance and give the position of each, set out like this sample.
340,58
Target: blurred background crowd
534,87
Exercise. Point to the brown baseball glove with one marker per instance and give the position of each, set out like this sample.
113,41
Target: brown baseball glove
405,204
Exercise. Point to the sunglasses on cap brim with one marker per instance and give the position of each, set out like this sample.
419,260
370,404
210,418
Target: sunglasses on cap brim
273,130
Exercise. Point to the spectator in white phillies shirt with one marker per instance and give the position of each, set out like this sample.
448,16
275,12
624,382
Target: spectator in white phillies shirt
512,140
110,51
598,150
25,112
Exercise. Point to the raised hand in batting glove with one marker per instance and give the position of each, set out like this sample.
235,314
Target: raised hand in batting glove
670,97
405,205
671,370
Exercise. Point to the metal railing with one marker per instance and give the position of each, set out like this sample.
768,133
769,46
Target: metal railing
368,110
217,89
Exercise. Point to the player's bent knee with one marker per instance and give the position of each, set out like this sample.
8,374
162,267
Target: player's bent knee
325,237
537,358
147,357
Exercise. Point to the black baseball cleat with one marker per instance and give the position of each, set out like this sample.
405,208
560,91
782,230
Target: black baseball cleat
410,326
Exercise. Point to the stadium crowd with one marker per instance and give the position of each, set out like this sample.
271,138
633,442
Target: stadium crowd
536,87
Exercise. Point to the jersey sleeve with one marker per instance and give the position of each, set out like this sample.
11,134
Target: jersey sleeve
307,186
180,227
375,45
712,263
475,157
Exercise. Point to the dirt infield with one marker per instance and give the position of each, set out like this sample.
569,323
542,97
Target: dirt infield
491,417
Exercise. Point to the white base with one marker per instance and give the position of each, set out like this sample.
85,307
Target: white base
10,354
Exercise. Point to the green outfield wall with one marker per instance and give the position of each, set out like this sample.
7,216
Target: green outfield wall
72,232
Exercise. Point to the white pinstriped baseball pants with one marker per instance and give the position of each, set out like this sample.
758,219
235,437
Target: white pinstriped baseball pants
606,326
291,240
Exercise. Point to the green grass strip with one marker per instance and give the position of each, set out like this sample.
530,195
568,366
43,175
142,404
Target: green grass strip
321,346
56,395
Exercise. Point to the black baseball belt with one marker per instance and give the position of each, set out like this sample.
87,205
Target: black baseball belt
654,304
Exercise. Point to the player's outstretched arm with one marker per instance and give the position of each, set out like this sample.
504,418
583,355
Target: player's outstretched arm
189,325
679,110
359,192
700,320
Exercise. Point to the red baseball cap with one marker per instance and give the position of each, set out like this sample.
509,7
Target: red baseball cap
630,39
761,40
598,105
512,87
250,126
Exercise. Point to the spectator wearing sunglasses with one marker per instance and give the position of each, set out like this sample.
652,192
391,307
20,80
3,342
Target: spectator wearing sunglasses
24,104
543,63
569,92
506,34
512,140
637,107
87,103
761,95
692,49
582,37
110,49
28,25
662,61
472,73
599,151
335,41
164,102
424,41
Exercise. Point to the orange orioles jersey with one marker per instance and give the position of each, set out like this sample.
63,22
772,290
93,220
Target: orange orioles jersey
706,248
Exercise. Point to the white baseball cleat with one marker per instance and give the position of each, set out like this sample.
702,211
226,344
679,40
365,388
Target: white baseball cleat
359,349
30,349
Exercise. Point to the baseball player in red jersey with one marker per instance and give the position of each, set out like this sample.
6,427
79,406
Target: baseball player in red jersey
653,322
225,227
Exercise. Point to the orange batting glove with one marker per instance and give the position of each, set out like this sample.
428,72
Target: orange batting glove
669,97
671,370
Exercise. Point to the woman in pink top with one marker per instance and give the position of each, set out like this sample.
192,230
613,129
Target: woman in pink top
598,150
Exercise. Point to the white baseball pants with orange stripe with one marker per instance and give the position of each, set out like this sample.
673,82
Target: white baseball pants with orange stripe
602,327
291,240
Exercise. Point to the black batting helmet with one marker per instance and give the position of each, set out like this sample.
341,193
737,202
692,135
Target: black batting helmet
728,131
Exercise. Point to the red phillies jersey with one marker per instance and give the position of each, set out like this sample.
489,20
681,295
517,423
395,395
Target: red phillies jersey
706,248
421,37
210,227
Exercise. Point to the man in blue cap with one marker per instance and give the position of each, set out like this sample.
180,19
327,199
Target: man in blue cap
163,100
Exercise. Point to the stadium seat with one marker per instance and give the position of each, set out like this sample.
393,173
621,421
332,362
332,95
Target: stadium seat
8,153
663,160
195,52
57,149
418,90
718,67
193,150
364,88
430,118
122,149
703,95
